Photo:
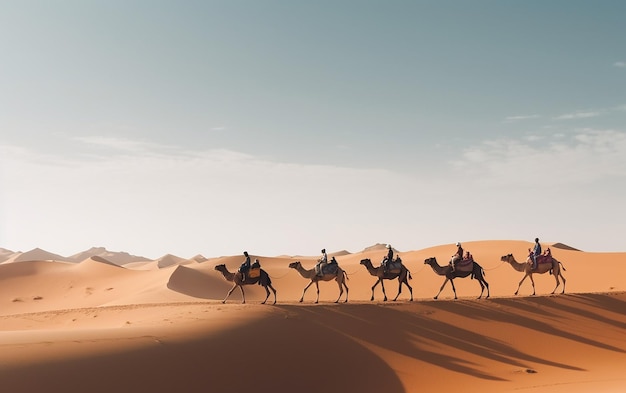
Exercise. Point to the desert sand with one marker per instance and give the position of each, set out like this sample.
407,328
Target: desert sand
100,321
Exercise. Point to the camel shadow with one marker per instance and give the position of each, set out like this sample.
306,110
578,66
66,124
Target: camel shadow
414,334
523,312
424,338
605,302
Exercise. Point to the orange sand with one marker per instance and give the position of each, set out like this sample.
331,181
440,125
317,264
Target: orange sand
160,326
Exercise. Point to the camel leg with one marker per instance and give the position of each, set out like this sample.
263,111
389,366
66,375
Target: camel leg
520,284
243,295
267,294
557,273
229,292
382,284
453,288
406,282
347,289
399,288
483,284
304,291
273,290
487,286
441,289
482,288
563,278
339,282
375,285
532,282
317,285
403,280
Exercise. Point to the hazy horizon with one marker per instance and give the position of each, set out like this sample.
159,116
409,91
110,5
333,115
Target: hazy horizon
276,127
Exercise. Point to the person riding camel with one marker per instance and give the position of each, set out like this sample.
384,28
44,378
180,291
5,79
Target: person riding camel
387,259
245,266
535,253
547,253
323,261
456,257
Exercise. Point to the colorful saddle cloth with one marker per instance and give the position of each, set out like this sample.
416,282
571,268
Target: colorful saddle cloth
254,272
543,259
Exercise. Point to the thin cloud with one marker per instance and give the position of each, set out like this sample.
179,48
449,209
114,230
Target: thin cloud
578,115
122,144
586,156
620,64
520,117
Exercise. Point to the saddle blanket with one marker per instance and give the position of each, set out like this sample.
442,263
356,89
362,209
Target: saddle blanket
254,272
394,267
330,268
541,259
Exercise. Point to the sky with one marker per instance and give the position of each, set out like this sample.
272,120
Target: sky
283,127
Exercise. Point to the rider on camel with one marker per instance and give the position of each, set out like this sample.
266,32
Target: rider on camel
323,261
535,253
245,266
456,257
388,258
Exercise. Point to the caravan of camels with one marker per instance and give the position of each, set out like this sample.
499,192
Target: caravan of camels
460,265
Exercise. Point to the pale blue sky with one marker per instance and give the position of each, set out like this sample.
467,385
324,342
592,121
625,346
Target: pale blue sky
282,127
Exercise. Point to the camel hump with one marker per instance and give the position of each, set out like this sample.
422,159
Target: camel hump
330,268
544,259
465,265
395,267
254,272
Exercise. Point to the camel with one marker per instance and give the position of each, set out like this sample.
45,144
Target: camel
263,279
403,276
340,276
554,268
477,272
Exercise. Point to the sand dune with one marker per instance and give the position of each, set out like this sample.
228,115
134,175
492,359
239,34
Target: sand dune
160,326
119,258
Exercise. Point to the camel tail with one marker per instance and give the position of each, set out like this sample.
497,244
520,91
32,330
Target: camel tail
562,267
409,275
482,272
345,275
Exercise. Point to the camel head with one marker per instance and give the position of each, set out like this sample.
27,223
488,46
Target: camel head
366,262
294,265
220,268
506,258
430,261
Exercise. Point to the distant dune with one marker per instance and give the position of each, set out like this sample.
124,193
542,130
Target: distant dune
564,247
99,325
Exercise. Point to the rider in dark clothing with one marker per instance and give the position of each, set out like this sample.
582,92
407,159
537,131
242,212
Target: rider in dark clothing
536,252
245,266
